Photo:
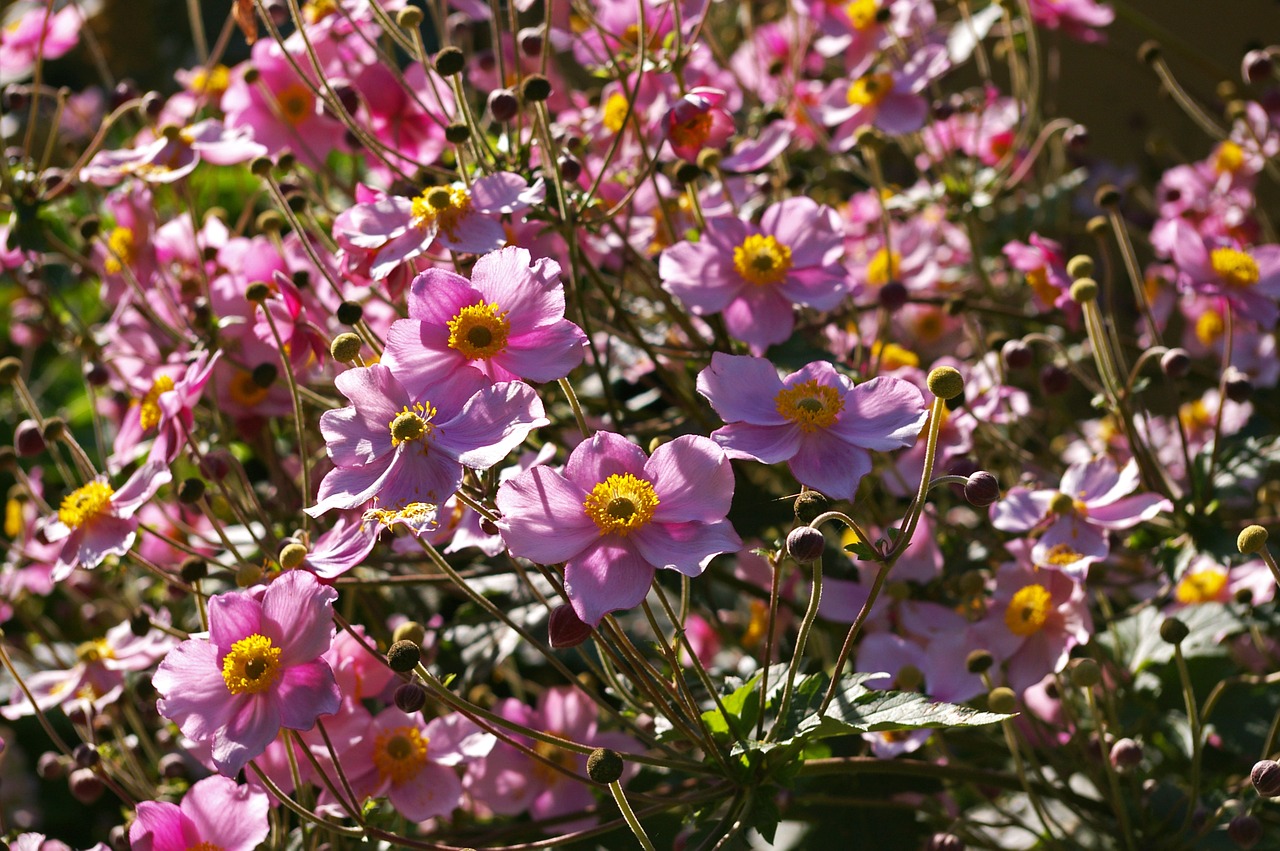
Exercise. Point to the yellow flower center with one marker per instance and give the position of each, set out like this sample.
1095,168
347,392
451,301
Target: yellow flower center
1209,327
1236,268
13,518
119,250
892,356
205,846
615,112
149,414
84,504
883,267
810,405
1227,158
621,504
762,260
252,665
1195,416
419,517
412,423
441,205
869,89
862,14
479,331
929,325
1038,280
1061,555
1028,610
212,82
400,753
692,132
553,753
318,10
1201,586
94,651
296,102
757,623
245,391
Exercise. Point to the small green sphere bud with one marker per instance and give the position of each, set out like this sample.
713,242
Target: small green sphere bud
1174,631
269,221
656,441
285,161
1080,266
190,491
604,766
978,661
1252,539
805,544
1086,674
1002,700
409,18
439,198
264,375
457,133
345,348
261,166
709,159
257,292
1084,290
10,369
1149,51
292,556
8,458
945,382
410,631
55,428
450,61
193,569
809,505
404,656
535,88
247,575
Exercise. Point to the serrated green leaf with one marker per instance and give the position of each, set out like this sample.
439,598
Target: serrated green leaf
1135,641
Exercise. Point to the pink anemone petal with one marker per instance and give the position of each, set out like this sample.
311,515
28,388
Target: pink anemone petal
158,826
401,247
297,614
475,234
605,454
760,318
231,618
1129,512
606,577
234,815
693,480
433,792
1095,479
1021,509
419,355
742,389
768,444
493,422
543,518
253,725
192,691
543,354
686,547
436,296
304,692
882,414
831,466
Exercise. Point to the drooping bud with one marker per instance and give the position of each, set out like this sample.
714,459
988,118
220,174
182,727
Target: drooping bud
86,786
55,428
1017,354
409,18
982,489
1257,67
193,569
1239,385
191,490
1266,778
85,755
1245,831
565,629
457,133
410,697
805,544
604,766
264,375
1125,754
503,105
27,439
1175,363
403,656
1085,674
1054,380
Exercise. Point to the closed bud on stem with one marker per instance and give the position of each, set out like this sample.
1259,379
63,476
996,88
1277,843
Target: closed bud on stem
1175,363
1017,354
269,221
1245,831
261,166
805,544
86,755
978,661
709,159
1251,539
86,786
565,629
410,697
349,313
1002,700
404,656
449,61
345,347
191,490
604,766
1106,196
55,428
193,569
410,631
1266,778
409,18
1125,754
257,292
503,105
27,439
1239,386
535,88
982,489
457,133
1174,631
1257,67
265,374
1080,266
1086,674
809,505
10,369
945,842
1149,51
1084,290
292,556
945,382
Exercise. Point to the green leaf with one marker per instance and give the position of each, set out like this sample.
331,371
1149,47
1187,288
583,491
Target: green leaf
743,707
1135,641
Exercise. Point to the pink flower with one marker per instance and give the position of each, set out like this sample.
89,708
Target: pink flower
753,275
1076,18
166,408
1091,500
32,30
613,515
507,322
887,98
172,157
400,450
258,670
815,419
1248,277
96,520
697,121
216,812
1043,263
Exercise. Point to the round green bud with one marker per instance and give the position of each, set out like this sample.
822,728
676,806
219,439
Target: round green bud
247,575
89,227
809,504
978,661
1080,266
257,292
1061,503
945,382
1002,700
604,766
450,61
1252,539
345,347
291,556
10,369
457,133
193,569
1174,631
1084,290
269,221
687,173
409,18
349,313
55,428
261,166
404,656
709,159
410,631
1086,674
407,426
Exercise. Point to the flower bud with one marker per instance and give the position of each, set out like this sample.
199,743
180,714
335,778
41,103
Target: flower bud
1245,831
10,369
1084,290
140,624
570,169
945,842
248,575
1054,380
805,544
687,173
410,697
345,347
1016,354
1002,700
409,18
809,504
50,766
1175,363
410,631
269,221
1252,539
1266,778
978,661
191,490
1257,67
565,629
264,375
1239,386
604,766
86,786
292,556
1076,138
1106,196
86,755
457,133
1174,631
27,439
535,88
193,569
1086,674
260,166
709,159
450,61
1149,51
503,105
404,656
349,313
1080,266
945,382
55,428
172,766
892,296
982,489
531,41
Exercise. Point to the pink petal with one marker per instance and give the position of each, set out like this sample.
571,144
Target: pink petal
232,815
608,576
253,725
543,518
742,389
192,692
232,617
605,454
882,414
297,614
686,547
157,826
305,692
831,466
492,423
434,791
693,480
768,444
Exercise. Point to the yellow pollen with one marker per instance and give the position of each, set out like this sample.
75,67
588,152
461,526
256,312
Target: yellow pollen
296,103
213,82
149,414
1236,268
1201,586
621,504
693,132
810,405
1038,280
418,516
412,423
119,250
1227,158
1028,610
445,206
400,753
869,89
762,260
479,330
555,754
1061,555
1195,416
1209,327
862,14
892,356
614,112
251,665
318,10
94,651
83,505
892,737
13,518
245,391
883,267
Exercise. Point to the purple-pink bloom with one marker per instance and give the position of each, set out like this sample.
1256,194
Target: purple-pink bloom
613,515
402,451
165,408
817,420
754,275
1076,18
215,813
173,156
889,98
1248,277
507,322
698,121
33,30
259,669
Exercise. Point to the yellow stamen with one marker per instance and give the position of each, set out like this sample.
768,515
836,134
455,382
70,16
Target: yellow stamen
244,391
119,250
83,505
1236,268
296,103
1201,586
149,412
412,423
251,665
553,753
1028,610
1061,555
862,14
762,260
892,356
810,405
400,753
883,267
13,521
212,82
869,89
479,331
621,504
1195,416
94,651
1038,280
1209,327
615,112
419,517
445,206
1227,158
